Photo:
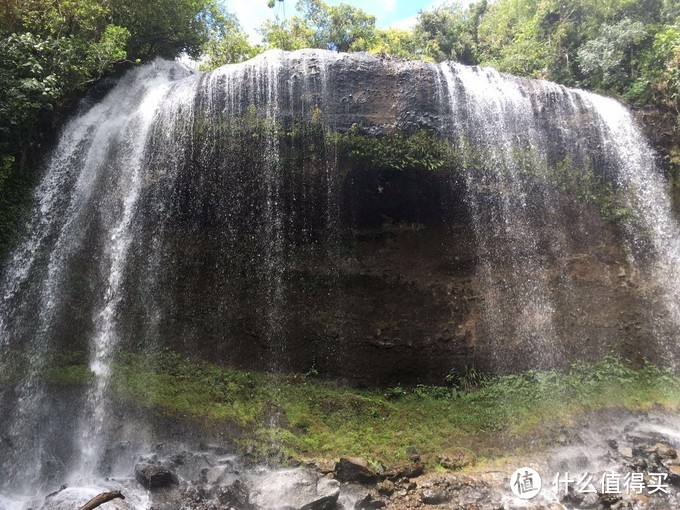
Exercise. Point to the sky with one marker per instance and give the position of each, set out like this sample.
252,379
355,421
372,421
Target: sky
388,13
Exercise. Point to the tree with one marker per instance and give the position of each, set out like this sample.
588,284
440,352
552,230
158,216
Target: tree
659,80
228,44
336,27
339,27
291,34
607,61
449,32
392,41
165,28
48,50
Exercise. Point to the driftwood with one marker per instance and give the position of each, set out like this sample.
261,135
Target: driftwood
102,498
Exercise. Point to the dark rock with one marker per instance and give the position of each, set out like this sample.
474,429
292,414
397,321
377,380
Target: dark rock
213,475
637,464
355,469
236,495
609,500
386,488
189,465
155,477
62,488
674,475
436,496
664,451
369,502
572,498
412,454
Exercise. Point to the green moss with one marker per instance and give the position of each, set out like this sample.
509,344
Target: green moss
324,419
305,417
69,375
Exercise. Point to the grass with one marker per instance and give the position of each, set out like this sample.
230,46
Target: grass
305,417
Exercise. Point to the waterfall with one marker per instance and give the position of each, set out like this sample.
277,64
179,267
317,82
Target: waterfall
215,214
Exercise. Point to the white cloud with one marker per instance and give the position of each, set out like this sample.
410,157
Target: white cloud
406,23
389,5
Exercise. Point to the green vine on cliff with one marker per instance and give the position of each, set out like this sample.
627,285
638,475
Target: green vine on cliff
421,150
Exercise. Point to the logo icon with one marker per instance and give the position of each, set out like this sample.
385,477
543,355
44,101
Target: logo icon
525,483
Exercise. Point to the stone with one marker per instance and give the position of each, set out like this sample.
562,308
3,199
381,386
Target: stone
405,471
212,475
674,475
155,476
298,488
664,451
436,496
626,452
189,465
412,454
386,488
355,469
369,502
324,466
236,495
608,500
455,459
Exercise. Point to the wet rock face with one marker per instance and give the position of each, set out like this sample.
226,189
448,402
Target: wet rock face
375,275
155,477
355,469
256,237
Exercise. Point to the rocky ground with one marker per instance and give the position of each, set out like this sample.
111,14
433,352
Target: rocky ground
631,462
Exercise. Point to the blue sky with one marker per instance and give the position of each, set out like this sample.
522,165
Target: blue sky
388,13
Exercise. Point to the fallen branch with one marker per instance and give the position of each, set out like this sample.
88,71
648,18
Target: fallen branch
104,497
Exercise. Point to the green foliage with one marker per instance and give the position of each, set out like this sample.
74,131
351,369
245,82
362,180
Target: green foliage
606,61
340,27
422,150
290,34
59,49
584,185
660,77
336,27
395,393
449,32
466,380
228,44
165,28
390,41
51,50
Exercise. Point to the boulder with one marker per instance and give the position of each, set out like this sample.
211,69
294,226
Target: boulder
213,475
406,471
664,451
436,496
369,502
355,469
455,459
234,496
299,488
154,476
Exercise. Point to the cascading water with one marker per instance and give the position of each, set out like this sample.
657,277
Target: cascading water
216,215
